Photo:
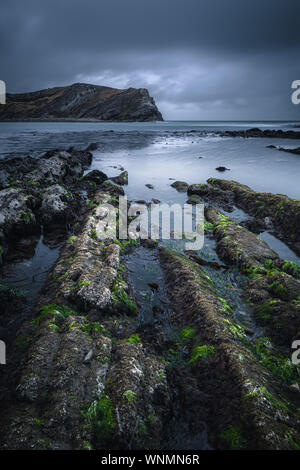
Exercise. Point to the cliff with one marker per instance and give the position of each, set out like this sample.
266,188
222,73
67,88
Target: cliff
81,101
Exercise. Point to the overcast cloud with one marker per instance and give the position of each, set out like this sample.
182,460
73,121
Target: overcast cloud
200,59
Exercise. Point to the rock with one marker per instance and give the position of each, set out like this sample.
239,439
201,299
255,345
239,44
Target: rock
88,278
296,151
92,146
4,179
282,211
58,378
155,201
228,376
211,194
194,199
222,168
254,225
269,133
56,167
95,176
271,147
150,186
81,101
273,291
149,243
136,384
180,186
237,245
16,216
54,207
121,179
112,189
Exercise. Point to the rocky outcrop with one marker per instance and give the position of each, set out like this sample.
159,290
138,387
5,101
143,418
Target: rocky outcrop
278,210
273,288
82,377
180,186
81,101
256,132
248,405
38,192
121,179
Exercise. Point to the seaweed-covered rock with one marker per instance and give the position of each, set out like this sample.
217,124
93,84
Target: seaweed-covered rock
273,293
86,272
54,206
282,211
236,244
16,216
249,406
180,186
111,188
211,194
139,395
95,176
121,179
66,370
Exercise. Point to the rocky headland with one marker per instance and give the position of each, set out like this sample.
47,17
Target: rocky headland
81,102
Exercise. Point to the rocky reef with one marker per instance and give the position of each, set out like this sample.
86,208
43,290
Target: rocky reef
270,133
87,370
81,101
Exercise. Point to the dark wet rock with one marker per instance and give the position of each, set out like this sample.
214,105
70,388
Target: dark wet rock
282,211
16,216
269,133
80,383
4,179
268,283
84,158
112,188
211,194
95,176
87,278
241,395
295,151
54,207
150,186
12,302
92,146
62,382
12,170
58,167
155,201
236,244
271,147
137,387
194,199
255,225
141,201
222,168
121,179
149,243
180,186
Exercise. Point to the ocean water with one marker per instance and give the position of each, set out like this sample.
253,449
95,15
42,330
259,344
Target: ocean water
155,152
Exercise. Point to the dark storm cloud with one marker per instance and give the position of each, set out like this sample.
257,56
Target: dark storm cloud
206,59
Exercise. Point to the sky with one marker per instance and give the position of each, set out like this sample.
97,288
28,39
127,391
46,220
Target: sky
199,59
